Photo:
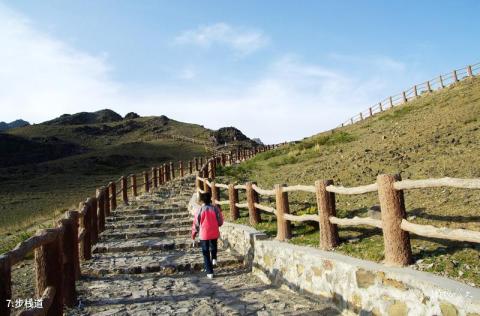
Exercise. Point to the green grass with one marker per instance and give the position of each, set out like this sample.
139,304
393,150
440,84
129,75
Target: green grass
437,135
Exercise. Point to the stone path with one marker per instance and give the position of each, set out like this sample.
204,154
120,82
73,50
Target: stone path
144,265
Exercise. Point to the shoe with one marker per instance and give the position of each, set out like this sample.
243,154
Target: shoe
210,276
214,262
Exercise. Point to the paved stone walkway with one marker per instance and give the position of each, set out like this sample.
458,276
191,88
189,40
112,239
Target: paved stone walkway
144,265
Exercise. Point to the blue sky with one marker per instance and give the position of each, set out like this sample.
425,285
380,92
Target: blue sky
278,70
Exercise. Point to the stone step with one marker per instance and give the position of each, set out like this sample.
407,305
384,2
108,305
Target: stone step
150,210
149,224
142,244
146,217
176,231
232,291
165,262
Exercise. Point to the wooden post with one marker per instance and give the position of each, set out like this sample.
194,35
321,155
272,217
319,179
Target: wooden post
190,167
215,193
206,187
284,227
326,208
210,168
391,102
168,174
161,176
107,202
455,76
154,178
224,160
233,199
441,81
49,271
415,90
165,173
6,282
404,96
100,195
198,182
196,164
370,111
396,241
172,169
351,120
74,216
469,71
124,190
380,106
182,172
201,162
93,220
70,254
113,196
146,184
361,116
429,87
252,198
133,179
86,242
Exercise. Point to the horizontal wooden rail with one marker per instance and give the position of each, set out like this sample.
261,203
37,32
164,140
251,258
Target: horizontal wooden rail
266,208
441,233
241,205
442,182
356,221
25,247
262,191
301,218
225,202
221,185
353,190
240,186
298,187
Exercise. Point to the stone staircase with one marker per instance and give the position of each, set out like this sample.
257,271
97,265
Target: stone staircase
144,264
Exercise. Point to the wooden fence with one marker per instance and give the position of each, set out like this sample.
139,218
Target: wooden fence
58,251
390,190
437,83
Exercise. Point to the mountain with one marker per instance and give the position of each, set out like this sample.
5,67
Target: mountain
49,166
102,116
17,123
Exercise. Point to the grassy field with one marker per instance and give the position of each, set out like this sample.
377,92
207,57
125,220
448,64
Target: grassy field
437,135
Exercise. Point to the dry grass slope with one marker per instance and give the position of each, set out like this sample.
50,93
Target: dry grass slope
437,135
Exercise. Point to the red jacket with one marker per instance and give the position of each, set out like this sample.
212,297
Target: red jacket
207,220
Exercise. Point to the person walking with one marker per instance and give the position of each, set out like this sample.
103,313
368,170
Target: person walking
206,222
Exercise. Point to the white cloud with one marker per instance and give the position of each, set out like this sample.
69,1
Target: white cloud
42,77
241,40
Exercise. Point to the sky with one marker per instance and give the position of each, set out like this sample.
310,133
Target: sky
277,70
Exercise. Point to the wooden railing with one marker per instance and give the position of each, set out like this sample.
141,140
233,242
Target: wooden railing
59,250
390,190
437,83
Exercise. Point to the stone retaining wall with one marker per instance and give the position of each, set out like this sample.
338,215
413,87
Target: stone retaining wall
364,287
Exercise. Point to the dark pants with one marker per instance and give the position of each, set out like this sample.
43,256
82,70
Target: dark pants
209,250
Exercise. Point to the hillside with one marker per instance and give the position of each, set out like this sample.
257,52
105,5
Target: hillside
437,135
52,166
